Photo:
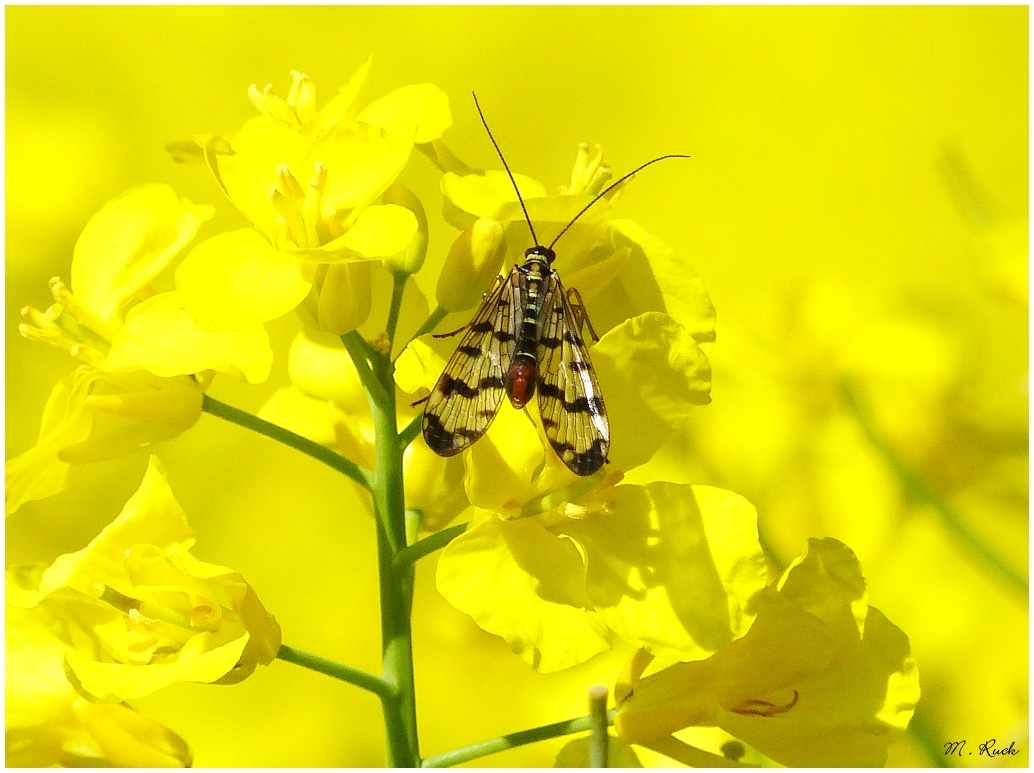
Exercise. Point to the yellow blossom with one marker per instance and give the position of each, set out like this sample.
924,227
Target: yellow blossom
820,680
92,415
48,724
142,612
141,349
310,182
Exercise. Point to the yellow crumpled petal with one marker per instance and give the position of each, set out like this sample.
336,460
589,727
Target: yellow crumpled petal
653,374
40,472
819,680
49,725
163,338
92,415
673,567
128,242
421,109
656,279
520,582
144,612
236,280
501,464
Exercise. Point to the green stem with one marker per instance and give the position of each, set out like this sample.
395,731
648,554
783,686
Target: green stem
484,748
337,670
426,546
918,492
396,586
321,453
599,739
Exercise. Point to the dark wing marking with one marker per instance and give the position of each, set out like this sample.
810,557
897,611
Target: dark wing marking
570,402
470,390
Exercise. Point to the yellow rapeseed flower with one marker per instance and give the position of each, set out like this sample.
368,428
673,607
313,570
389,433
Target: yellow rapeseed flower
140,350
821,679
48,724
309,181
142,612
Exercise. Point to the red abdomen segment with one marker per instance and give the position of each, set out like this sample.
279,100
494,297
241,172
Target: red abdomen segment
520,381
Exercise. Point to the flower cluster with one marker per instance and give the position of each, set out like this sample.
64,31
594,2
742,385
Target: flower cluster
561,567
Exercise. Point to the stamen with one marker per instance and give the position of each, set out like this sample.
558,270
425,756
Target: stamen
317,230
80,313
302,97
288,184
292,218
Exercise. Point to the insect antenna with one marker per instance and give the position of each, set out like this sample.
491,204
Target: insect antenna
507,168
608,189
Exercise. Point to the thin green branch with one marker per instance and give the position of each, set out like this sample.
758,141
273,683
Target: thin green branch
363,355
398,287
918,492
426,546
408,435
429,324
360,679
247,420
513,740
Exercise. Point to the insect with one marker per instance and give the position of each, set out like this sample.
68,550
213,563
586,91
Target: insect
525,337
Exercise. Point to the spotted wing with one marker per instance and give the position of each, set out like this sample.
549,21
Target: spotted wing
570,402
470,390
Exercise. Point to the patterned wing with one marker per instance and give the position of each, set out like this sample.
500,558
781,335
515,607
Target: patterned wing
570,403
467,396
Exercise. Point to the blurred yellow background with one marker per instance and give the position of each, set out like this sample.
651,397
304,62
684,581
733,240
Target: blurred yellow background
859,179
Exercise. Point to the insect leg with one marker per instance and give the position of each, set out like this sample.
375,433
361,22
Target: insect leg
581,317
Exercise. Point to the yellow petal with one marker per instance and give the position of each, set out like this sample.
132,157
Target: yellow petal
672,567
473,262
342,107
656,279
422,110
418,367
361,161
320,366
381,231
40,472
163,338
251,171
653,374
468,197
237,279
128,242
520,582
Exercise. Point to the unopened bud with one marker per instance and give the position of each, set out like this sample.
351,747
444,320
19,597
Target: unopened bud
341,297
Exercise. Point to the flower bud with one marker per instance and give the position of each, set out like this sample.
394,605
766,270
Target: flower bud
474,259
340,299
410,259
